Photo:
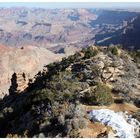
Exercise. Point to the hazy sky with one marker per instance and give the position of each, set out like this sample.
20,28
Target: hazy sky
71,5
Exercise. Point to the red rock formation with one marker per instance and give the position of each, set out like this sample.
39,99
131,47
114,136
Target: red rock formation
28,60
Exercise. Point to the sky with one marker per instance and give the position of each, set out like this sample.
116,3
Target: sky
70,5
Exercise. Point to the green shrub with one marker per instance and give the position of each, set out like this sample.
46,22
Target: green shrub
74,133
114,50
96,71
41,95
101,95
68,96
82,123
54,110
90,52
135,55
89,98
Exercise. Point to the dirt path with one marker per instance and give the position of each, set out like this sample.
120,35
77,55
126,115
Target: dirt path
130,108
94,130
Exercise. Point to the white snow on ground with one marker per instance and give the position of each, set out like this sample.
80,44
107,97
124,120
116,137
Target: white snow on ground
124,125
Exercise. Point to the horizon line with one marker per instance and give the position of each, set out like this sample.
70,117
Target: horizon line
58,5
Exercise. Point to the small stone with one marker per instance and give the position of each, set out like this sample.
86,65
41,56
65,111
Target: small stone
41,135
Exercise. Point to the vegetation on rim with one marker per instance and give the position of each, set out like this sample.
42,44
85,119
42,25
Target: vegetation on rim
50,107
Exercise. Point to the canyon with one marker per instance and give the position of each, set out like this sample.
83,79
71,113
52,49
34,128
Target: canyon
63,72
55,29
33,37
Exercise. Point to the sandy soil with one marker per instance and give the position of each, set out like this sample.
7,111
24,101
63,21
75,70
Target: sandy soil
130,108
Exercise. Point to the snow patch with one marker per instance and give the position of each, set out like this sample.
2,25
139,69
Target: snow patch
124,125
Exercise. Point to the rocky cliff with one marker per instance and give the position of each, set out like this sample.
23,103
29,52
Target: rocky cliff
128,36
25,59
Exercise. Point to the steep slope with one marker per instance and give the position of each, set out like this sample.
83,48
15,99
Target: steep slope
54,104
127,36
26,59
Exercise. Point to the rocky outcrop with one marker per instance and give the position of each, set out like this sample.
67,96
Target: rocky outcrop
128,36
19,82
25,59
